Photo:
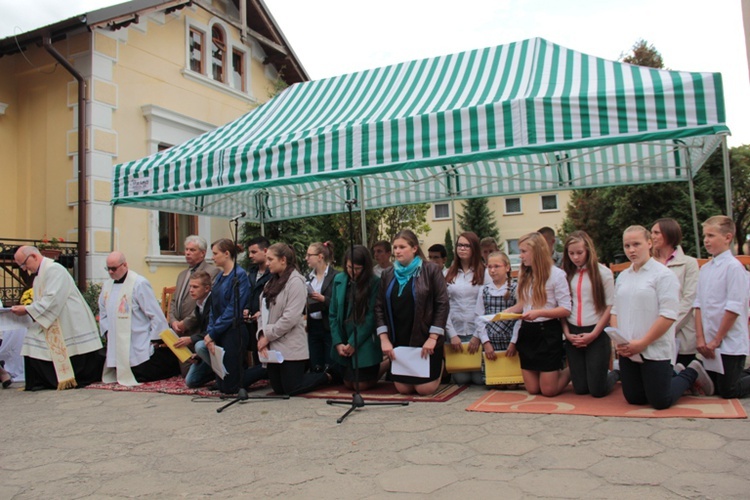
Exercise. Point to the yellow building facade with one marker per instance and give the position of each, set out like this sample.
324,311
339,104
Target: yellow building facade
157,74
515,216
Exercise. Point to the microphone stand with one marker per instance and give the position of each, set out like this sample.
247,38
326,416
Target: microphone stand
357,400
242,396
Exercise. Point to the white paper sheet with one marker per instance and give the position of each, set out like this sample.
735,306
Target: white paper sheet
217,361
618,339
714,365
273,357
409,362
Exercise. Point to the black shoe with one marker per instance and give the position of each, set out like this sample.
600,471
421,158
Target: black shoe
334,375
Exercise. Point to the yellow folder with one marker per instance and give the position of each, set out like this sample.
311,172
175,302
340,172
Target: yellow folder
457,362
169,337
503,370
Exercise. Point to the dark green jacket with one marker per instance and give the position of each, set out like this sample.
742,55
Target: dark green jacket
343,331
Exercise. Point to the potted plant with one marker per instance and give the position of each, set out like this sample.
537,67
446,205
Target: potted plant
51,247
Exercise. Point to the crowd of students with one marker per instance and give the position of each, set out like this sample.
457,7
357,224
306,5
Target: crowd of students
329,325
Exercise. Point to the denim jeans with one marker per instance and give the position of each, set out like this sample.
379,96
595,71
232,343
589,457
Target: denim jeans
200,373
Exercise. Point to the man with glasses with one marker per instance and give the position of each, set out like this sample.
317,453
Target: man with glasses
60,347
131,319
182,307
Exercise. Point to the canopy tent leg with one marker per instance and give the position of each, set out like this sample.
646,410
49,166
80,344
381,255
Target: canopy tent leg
453,218
363,212
727,178
694,211
112,231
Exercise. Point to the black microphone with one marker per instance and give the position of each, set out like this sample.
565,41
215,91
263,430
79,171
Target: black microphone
242,214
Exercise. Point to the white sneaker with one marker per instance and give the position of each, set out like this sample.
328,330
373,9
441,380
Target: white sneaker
703,380
678,367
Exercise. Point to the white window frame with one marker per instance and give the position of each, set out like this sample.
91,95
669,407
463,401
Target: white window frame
434,211
169,127
508,246
505,205
232,44
541,203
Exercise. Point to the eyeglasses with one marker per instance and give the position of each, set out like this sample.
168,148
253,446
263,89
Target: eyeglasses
22,265
112,269
463,245
356,269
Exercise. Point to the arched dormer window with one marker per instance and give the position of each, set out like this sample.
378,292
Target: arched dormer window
218,53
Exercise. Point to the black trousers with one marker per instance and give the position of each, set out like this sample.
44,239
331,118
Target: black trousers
653,382
292,377
589,365
162,364
41,374
735,383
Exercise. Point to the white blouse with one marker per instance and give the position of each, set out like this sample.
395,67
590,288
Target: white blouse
463,298
583,311
640,298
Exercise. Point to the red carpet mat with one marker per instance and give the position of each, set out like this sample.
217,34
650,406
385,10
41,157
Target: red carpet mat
174,385
613,405
386,391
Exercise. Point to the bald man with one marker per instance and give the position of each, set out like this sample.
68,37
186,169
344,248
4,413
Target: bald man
60,347
131,319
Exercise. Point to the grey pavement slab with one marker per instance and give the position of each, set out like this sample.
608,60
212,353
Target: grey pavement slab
101,444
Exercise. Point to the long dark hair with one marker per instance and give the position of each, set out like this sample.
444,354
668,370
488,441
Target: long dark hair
278,281
359,289
475,264
592,264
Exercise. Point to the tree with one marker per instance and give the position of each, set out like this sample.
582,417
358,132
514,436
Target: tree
382,224
604,213
643,54
448,248
476,217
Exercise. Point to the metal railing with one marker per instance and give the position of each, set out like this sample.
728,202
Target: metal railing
14,281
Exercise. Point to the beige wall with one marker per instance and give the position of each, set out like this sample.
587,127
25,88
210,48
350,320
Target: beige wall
35,161
127,71
509,226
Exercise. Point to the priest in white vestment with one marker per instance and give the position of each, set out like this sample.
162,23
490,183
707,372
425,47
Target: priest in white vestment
131,319
61,347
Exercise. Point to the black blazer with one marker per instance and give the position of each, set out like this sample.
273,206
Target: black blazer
326,290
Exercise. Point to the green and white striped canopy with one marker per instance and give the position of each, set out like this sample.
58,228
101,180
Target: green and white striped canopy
529,116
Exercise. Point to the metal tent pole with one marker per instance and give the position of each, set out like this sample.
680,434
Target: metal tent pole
363,212
694,211
727,178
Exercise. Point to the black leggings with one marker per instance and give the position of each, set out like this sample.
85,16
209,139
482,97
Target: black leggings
292,377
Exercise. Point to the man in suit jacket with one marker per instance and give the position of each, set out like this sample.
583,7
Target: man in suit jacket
181,306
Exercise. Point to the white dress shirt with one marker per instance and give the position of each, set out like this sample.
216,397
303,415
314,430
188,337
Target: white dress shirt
640,298
723,286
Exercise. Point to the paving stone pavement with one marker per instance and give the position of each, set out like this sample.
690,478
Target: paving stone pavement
101,444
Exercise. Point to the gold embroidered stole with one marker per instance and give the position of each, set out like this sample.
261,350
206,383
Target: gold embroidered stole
66,378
